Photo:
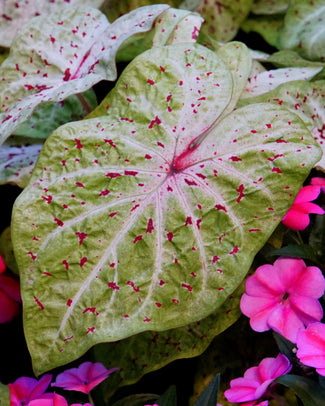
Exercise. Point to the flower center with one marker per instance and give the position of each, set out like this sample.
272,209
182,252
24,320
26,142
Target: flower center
285,296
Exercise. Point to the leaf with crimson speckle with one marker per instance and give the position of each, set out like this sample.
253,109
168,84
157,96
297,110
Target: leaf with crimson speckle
306,99
14,14
223,18
154,210
61,54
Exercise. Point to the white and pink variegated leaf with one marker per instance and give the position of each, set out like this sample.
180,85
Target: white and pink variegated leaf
266,81
61,54
172,26
14,14
306,99
129,222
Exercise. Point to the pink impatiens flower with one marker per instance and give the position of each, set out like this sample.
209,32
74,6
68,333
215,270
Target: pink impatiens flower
319,182
256,381
9,296
24,390
54,400
283,297
297,218
84,378
311,347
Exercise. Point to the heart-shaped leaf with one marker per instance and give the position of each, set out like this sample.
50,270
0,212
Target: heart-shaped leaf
129,221
61,54
14,14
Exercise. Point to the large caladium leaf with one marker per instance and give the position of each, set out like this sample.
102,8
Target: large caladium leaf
306,99
52,58
303,29
155,210
163,347
13,14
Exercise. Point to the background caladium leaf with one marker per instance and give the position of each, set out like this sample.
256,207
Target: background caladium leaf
14,14
62,54
289,58
4,395
172,26
3,54
266,7
266,81
306,99
303,29
17,159
50,115
6,250
145,223
223,18
113,9
269,27
163,347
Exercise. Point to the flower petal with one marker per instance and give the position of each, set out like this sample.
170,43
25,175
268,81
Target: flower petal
84,378
311,346
309,310
264,283
258,310
307,194
288,270
241,390
284,321
11,287
295,220
8,308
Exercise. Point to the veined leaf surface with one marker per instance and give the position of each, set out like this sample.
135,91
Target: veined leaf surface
130,224
65,53
13,14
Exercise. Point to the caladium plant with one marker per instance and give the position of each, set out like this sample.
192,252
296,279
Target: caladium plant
138,226
135,217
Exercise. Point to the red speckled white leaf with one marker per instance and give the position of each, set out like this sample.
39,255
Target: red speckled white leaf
130,224
62,54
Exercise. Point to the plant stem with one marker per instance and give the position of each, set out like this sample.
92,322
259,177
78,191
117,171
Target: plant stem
84,103
91,399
